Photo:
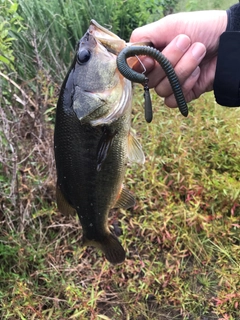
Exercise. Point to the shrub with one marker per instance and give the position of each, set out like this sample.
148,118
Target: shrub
9,20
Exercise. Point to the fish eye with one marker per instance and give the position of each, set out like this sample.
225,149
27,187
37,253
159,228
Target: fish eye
83,56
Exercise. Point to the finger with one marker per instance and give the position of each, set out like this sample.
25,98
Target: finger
160,32
146,33
173,52
184,68
146,64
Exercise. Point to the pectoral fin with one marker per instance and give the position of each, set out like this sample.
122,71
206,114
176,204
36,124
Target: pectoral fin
135,153
63,206
126,200
104,146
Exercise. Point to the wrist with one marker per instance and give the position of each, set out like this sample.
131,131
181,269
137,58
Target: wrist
233,14
227,78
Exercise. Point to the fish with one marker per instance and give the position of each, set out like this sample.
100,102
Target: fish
93,139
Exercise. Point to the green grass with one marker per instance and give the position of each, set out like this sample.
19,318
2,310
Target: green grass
182,238
194,5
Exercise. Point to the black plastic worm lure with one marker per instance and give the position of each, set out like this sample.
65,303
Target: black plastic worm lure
134,76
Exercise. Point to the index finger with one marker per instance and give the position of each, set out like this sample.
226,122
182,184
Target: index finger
157,32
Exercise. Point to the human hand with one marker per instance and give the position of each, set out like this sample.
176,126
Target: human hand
190,42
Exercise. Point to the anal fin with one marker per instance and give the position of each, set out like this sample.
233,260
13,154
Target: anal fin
125,200
63,206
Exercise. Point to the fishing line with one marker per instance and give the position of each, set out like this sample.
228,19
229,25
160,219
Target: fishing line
141,63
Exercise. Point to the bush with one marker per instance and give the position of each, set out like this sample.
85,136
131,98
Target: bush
9,20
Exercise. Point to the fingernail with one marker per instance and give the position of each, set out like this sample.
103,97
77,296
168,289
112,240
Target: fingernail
183,42
198,51
195,72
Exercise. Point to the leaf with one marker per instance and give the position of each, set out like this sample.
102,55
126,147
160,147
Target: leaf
101,316
5,60
13,8
77,314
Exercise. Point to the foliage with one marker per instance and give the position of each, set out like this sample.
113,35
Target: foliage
127,15
54,27
9,20
195,5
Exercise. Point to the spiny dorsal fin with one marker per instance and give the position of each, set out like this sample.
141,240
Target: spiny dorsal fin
135,153
126,200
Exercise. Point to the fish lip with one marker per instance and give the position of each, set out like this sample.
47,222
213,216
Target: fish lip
110,41
95,24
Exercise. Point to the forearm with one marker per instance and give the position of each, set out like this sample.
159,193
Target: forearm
227,78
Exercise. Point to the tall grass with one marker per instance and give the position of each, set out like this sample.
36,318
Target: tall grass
53,28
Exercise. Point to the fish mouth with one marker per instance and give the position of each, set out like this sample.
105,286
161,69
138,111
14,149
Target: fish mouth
103,30
105,37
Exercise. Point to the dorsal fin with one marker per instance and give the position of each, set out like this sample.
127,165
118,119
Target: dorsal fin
126,200
135,153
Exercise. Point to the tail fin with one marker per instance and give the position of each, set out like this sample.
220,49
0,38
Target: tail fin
110,246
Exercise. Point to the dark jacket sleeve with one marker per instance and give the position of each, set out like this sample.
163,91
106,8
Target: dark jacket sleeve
227,77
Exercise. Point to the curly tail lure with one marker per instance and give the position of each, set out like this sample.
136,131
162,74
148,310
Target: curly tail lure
134,76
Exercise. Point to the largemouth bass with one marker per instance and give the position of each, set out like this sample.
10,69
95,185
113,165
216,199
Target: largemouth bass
93,140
